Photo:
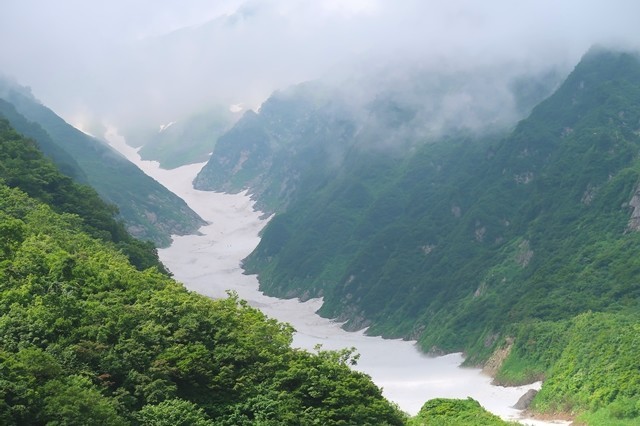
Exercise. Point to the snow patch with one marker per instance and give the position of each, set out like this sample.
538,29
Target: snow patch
164,127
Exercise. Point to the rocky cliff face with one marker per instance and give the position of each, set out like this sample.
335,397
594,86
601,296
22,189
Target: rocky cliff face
634,204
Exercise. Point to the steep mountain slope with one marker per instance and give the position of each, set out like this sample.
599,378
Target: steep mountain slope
302,137
463,218
23,166
185,141
478,243
60,157
149,210
299,136
85,338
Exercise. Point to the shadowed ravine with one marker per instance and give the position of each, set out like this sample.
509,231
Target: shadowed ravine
210,264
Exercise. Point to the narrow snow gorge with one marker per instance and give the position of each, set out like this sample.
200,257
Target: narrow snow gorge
210,264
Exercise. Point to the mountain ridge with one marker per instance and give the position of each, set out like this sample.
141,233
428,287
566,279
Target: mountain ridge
477,243
149,209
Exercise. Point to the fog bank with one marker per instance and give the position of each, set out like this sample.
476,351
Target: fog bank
155,61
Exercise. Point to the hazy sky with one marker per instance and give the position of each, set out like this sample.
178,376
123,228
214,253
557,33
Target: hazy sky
119,58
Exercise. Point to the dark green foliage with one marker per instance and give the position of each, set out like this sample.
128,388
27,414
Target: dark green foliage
75,400
173,412
598,367
455,412
150,211
537,347
589,363
23,166
85,338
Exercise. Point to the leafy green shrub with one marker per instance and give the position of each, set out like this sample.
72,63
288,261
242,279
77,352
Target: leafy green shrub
452,412
87,338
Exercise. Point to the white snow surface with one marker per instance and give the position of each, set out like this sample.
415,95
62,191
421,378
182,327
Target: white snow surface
164,127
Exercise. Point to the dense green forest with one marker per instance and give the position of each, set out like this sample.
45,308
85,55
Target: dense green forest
454,412
86,338
524,241
149,210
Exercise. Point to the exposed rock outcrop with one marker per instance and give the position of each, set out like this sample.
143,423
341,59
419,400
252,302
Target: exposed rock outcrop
525,400
493,364
634,220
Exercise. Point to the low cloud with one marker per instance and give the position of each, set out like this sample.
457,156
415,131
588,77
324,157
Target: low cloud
154,60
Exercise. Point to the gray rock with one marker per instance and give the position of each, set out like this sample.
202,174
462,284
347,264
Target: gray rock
525,400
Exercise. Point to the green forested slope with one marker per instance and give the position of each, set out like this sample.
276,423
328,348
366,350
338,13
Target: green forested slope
463,221
454,412
298,138
85,338
188,140
64,162
302,137
23,166
597,369
149,210
475,243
